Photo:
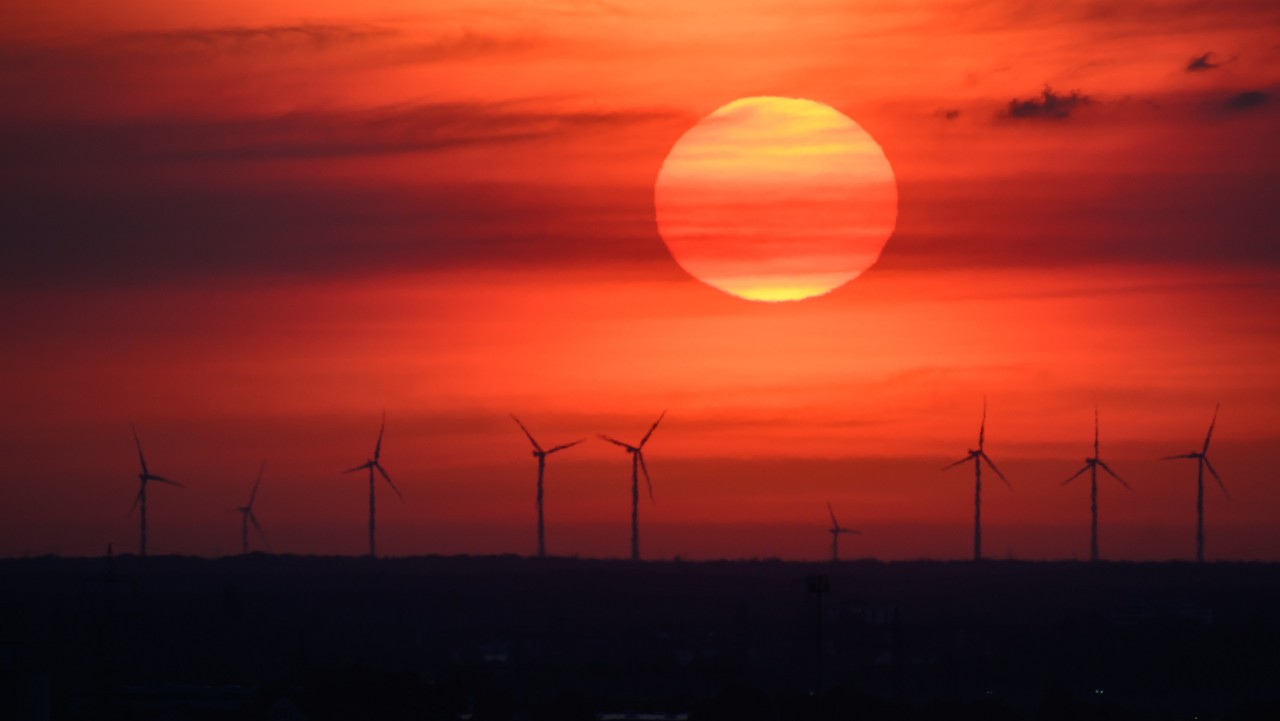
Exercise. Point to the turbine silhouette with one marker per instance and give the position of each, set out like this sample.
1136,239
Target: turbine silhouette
247,517
541,455
637,465
835,531
978,456
374,465
1202,461
1092,465
140,501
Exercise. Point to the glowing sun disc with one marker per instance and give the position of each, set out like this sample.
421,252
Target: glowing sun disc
776,199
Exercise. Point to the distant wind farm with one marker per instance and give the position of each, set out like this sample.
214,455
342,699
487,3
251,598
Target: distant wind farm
249,523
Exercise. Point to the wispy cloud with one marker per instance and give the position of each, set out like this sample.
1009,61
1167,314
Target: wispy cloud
318,134
1247,100
246,38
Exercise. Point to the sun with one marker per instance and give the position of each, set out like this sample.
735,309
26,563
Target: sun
776,199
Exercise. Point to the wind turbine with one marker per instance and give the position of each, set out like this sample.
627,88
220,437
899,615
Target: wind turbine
637,465
1202,462
140,500
247,517
541,455
978,456
1091,465
835,531
374,465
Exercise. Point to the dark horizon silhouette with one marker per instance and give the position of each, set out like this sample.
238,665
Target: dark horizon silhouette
504,638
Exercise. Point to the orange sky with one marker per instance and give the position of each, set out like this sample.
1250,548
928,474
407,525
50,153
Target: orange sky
251,227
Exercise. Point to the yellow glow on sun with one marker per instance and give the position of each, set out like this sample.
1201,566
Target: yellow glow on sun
774,199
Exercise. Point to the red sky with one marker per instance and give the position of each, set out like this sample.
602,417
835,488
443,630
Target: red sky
250,227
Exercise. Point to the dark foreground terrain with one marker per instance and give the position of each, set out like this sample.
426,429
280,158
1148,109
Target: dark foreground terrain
272,637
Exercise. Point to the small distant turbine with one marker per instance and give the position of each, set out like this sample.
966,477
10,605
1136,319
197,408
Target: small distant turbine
140,500
541,455
978,456
374,465
247,517
637,465
1202,462
835,531
1092,465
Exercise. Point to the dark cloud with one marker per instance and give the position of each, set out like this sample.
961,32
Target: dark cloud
135,202
313,134
1201,217
1049,106
1200,63
1247,100
146,233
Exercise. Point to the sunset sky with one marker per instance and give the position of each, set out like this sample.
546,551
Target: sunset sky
250,227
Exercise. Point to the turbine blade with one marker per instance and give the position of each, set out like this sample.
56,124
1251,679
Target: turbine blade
142,460
1184,455
162,479
652,428
1107,468
616,442
360,467
1216,477
390,482
962,460
377,449
1095,431
256,483
987,458
565,445
527,434
1077,474
254,519
834,523
136,500
982,429
648,483
1213,422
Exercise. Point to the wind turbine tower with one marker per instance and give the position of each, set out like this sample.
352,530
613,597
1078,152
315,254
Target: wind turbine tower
637,465
247,517
140,501
835,531
1091,465
541,455
978,456
1201,458
373,464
